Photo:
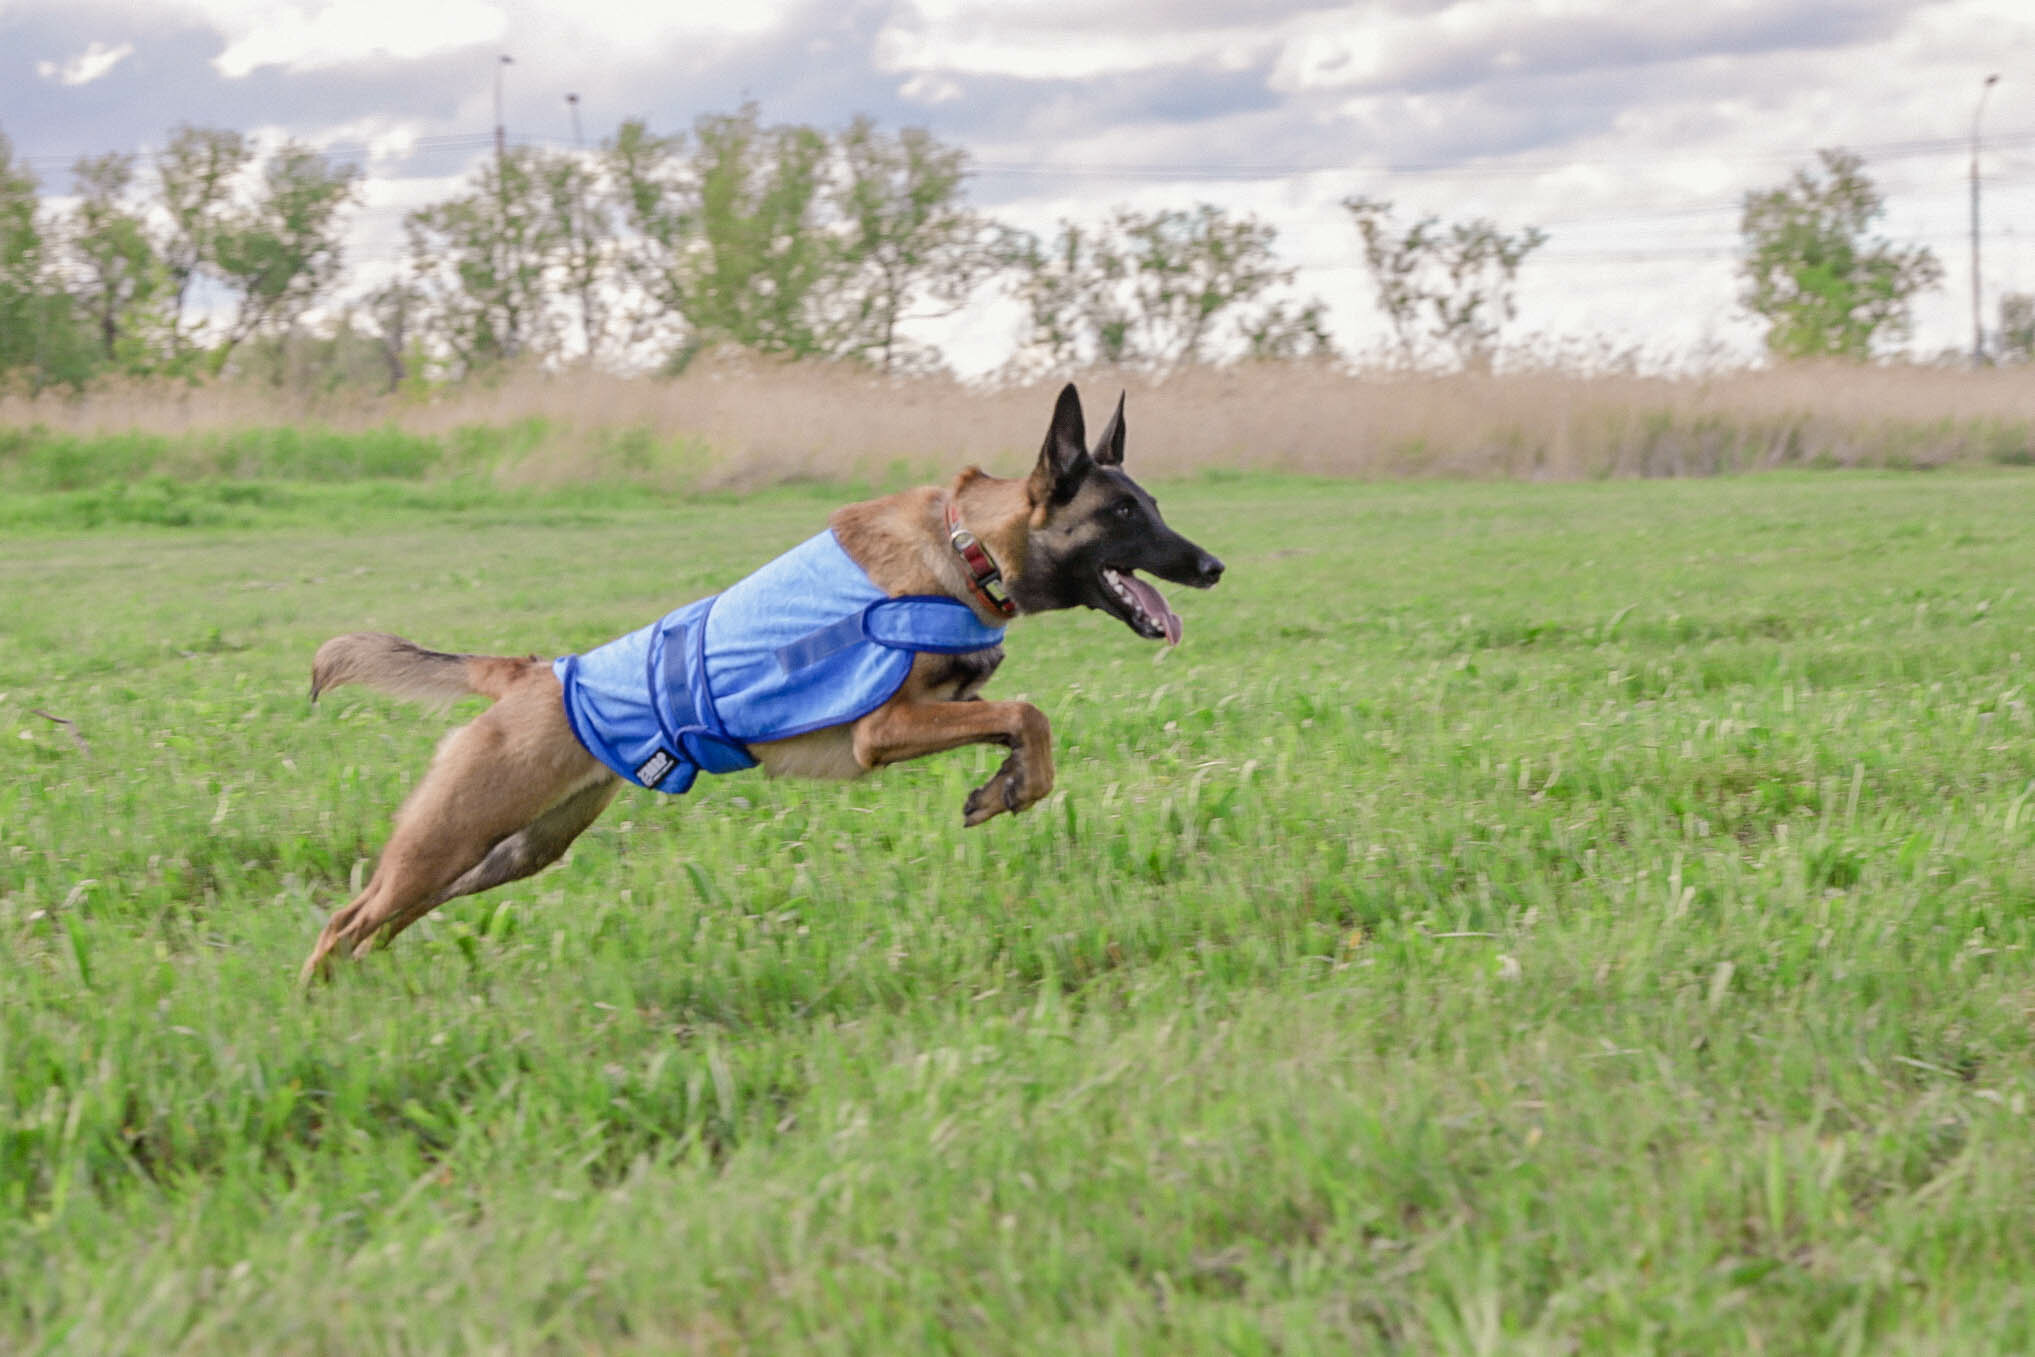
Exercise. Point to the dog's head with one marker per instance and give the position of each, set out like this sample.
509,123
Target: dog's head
1092,528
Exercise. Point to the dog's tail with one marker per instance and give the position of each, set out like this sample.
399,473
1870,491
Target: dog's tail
400,668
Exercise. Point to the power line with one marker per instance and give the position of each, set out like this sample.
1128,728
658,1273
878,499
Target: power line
1480,166
345,149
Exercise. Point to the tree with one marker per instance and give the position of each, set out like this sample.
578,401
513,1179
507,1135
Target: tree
785,241
21,263
1824,287
393,312
1161,289
1279,335
482,265
730,247
1067,287
911,250
281,253
40,341
1187,270
327,358
1455,286
276,252
647,177
584,219
195,172
120,278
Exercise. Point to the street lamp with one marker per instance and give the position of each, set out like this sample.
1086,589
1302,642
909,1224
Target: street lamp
1978,333
501,135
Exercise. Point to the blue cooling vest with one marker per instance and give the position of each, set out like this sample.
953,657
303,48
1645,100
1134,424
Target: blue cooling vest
806,642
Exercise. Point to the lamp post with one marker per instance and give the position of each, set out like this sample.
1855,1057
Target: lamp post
1978,333
572,221
501,134
512,341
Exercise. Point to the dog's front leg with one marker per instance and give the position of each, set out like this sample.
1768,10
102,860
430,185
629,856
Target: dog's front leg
905,729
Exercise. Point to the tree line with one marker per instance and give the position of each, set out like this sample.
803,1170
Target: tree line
211,255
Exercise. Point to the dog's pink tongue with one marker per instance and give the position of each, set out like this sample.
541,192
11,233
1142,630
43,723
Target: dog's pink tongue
1154,604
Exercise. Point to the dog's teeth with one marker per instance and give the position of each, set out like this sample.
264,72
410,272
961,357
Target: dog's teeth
1120,586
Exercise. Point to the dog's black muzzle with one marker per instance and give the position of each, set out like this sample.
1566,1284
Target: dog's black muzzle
1185,564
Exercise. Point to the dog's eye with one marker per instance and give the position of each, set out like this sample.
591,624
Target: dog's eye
1125,508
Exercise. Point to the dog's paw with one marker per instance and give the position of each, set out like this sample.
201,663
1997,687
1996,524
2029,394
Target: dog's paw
1017,786
1003,792
986,802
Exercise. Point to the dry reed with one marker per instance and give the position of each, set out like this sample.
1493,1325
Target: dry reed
733,424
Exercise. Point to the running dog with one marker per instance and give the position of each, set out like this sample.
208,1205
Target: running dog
865,646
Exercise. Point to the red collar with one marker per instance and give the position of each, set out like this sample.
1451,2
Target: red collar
983,576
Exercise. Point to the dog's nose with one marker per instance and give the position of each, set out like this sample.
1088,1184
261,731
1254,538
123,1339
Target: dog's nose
1210,569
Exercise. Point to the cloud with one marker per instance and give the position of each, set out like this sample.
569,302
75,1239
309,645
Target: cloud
87,66
321,34
1049,40
930,89
344,32
630,25
1475,40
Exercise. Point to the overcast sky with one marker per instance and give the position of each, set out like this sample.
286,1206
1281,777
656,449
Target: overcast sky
1628,130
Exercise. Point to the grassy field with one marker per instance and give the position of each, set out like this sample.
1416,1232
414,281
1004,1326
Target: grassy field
1519,918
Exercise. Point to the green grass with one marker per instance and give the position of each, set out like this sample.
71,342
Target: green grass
202,477
1518,918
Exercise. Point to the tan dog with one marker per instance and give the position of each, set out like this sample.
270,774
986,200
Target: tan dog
507,793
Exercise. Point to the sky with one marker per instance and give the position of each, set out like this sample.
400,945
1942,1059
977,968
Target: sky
1629,130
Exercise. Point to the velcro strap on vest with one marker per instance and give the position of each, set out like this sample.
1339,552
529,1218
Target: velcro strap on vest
815,646
921,623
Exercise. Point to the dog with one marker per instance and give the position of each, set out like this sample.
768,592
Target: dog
866,646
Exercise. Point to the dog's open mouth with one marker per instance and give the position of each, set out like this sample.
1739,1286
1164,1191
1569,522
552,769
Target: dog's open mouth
1142,606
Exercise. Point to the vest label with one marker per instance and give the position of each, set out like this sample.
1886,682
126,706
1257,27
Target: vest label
655,769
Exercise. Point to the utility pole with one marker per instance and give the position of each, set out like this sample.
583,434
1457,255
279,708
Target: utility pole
501,133
512,339
582,263
1978,332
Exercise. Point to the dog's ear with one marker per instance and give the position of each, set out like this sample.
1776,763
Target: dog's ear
1109,447
1064,459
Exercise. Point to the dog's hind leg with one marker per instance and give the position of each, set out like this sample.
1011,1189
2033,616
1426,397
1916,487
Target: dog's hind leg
490,781
526,852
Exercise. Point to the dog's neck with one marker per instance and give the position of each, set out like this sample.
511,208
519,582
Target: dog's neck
985,579
902,541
